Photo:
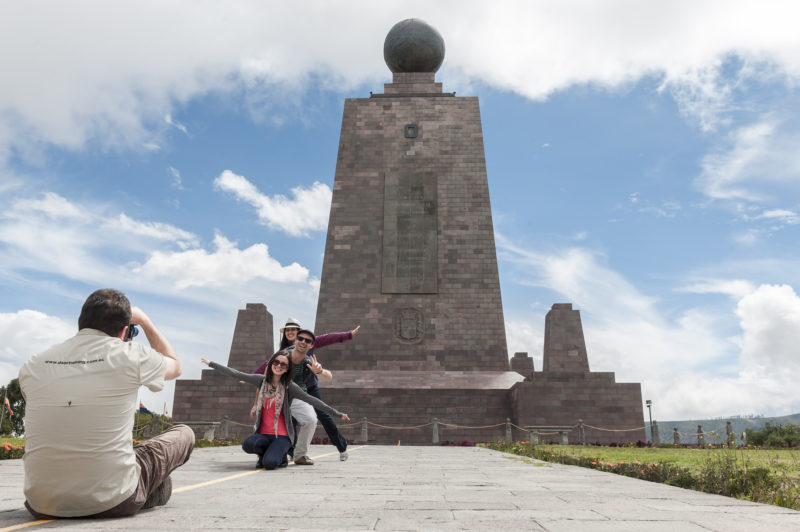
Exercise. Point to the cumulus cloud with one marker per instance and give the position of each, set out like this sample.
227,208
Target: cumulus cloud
81,242
526,336
770,320
25,333
49,233
687,360
121,70
226,266
306,211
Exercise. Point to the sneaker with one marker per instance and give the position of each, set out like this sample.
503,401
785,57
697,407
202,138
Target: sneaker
285,461
259,465
160,495
303,460
343,456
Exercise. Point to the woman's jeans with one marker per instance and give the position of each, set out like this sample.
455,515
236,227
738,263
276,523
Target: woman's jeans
328,424
270,448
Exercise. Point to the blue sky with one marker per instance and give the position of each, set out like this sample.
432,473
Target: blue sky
642,160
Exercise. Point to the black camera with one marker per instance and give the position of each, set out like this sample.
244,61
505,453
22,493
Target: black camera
132,331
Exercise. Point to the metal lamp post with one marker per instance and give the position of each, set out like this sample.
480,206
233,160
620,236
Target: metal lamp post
649,403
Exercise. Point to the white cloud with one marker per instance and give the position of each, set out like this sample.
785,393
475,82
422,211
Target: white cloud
25,333
736,288
701,92
50,204
307,211
527,336
688,362
114,73
759,163
83,242
782,216
770,319
749,237
152,230
177,125
177,180
227,266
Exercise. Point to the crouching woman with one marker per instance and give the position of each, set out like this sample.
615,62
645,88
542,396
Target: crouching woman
274,431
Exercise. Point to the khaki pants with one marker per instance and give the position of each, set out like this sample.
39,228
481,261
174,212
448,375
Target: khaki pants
306,425
157,457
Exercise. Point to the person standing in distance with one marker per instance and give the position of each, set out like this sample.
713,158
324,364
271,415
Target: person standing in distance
81,396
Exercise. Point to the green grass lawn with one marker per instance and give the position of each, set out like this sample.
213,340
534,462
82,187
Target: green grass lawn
777,460
12,441
769,476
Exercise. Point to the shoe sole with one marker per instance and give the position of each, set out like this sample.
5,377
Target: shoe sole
160,496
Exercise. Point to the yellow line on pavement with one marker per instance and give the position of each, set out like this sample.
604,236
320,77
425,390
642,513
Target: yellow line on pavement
179,490
26,525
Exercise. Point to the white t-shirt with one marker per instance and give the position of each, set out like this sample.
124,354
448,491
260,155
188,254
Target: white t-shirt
80,399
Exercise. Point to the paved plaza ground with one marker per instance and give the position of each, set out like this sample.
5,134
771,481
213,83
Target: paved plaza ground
412,488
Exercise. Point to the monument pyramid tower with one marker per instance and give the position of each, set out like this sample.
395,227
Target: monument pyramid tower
410,252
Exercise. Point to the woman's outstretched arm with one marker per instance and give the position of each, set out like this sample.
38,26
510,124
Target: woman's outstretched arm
251,378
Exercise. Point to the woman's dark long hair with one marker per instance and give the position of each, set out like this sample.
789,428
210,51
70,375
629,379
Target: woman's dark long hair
286,377
285,342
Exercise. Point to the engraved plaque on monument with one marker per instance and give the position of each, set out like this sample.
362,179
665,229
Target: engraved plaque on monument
409,233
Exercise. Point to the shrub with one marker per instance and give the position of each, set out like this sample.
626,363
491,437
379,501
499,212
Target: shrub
775,435
202,442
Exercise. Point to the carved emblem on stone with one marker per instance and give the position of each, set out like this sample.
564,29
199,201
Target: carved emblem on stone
408,325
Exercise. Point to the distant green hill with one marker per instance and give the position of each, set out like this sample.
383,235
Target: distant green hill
688,428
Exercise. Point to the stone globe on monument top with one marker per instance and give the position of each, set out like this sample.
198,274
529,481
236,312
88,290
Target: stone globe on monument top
413,45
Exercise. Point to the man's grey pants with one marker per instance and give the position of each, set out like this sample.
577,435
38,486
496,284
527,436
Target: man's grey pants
158,457
306,425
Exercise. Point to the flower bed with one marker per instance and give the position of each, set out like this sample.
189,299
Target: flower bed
10,450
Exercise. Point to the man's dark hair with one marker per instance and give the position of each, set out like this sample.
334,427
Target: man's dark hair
106,310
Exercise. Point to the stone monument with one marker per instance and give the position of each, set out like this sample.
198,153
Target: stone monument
410,256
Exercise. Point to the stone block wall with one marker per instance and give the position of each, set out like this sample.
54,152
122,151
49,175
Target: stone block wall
400,407
522,364
564,398
215,396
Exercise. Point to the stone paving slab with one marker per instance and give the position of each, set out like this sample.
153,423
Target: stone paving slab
413,488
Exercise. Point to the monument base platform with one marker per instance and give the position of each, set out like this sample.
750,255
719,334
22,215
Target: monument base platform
402,405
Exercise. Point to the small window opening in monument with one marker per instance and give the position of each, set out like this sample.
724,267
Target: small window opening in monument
411,131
